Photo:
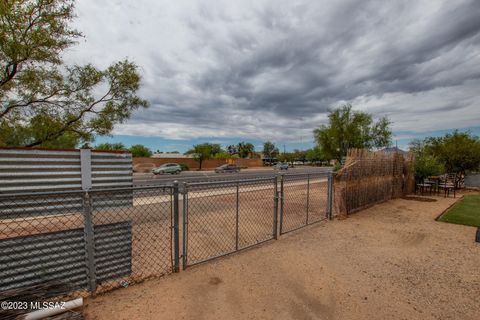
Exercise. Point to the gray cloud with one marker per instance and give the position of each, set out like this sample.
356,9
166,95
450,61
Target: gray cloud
272,69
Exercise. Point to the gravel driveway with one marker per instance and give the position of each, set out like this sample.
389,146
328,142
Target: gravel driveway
391,261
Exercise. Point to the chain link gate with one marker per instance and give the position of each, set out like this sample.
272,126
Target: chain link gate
304,199
220,218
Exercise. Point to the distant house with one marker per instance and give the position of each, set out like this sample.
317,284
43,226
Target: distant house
391,150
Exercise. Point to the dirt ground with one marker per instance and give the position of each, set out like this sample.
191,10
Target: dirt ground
391,261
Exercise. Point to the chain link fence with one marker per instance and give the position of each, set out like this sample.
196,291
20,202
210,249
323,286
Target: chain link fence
102,239
89,241
139,245
41,240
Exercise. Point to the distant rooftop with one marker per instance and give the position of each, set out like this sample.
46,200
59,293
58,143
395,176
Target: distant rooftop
390,150
171,155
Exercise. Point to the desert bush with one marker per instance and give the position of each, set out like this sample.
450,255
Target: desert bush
427,165
337,167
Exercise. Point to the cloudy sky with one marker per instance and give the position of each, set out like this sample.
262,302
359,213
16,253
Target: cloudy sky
226,71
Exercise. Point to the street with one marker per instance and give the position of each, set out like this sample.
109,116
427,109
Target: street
145,179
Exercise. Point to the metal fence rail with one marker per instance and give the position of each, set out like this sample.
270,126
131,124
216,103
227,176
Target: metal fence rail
304,200
98,243
224,217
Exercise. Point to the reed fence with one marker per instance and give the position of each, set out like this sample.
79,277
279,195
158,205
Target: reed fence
368,178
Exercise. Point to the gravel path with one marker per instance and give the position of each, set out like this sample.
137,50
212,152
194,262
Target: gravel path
391,261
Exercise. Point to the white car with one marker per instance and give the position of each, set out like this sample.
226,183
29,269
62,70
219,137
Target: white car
281,166
172,168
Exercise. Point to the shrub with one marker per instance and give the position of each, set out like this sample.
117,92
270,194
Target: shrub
337,167
184,167
427,165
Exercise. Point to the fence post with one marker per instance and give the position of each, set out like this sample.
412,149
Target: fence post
308,196
185,225
330,196
236,217
176,242
275,208
89,242
86,168
281,203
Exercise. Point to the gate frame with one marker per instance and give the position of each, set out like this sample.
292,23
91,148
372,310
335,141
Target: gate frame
328,212
235,184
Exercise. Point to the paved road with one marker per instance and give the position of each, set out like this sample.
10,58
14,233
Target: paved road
145,179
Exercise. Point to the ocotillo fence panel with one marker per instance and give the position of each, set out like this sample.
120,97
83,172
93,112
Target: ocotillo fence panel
368,178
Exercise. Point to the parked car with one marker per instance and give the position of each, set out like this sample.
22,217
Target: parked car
173,168
227,168
281,166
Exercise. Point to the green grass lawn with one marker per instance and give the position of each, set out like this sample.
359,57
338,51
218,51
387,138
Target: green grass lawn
466,212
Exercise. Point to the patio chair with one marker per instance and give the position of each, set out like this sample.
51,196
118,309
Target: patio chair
447,184
425,185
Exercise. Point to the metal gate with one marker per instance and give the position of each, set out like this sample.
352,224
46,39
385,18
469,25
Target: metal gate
220,218
304,199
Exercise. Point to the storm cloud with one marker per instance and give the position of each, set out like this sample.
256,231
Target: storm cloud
273,69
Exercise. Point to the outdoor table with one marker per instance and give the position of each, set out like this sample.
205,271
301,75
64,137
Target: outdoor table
425,185
435,180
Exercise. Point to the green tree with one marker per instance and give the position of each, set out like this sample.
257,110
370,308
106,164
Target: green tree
351,129
300,155
42,101
458,152
270,150
245,149
289,157
314,155
139,150
232,149
204,151
222,155
111,146
427,165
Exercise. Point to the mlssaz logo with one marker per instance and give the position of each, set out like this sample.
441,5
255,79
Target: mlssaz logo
47,305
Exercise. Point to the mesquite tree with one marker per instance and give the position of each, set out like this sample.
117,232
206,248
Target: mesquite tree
45,103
